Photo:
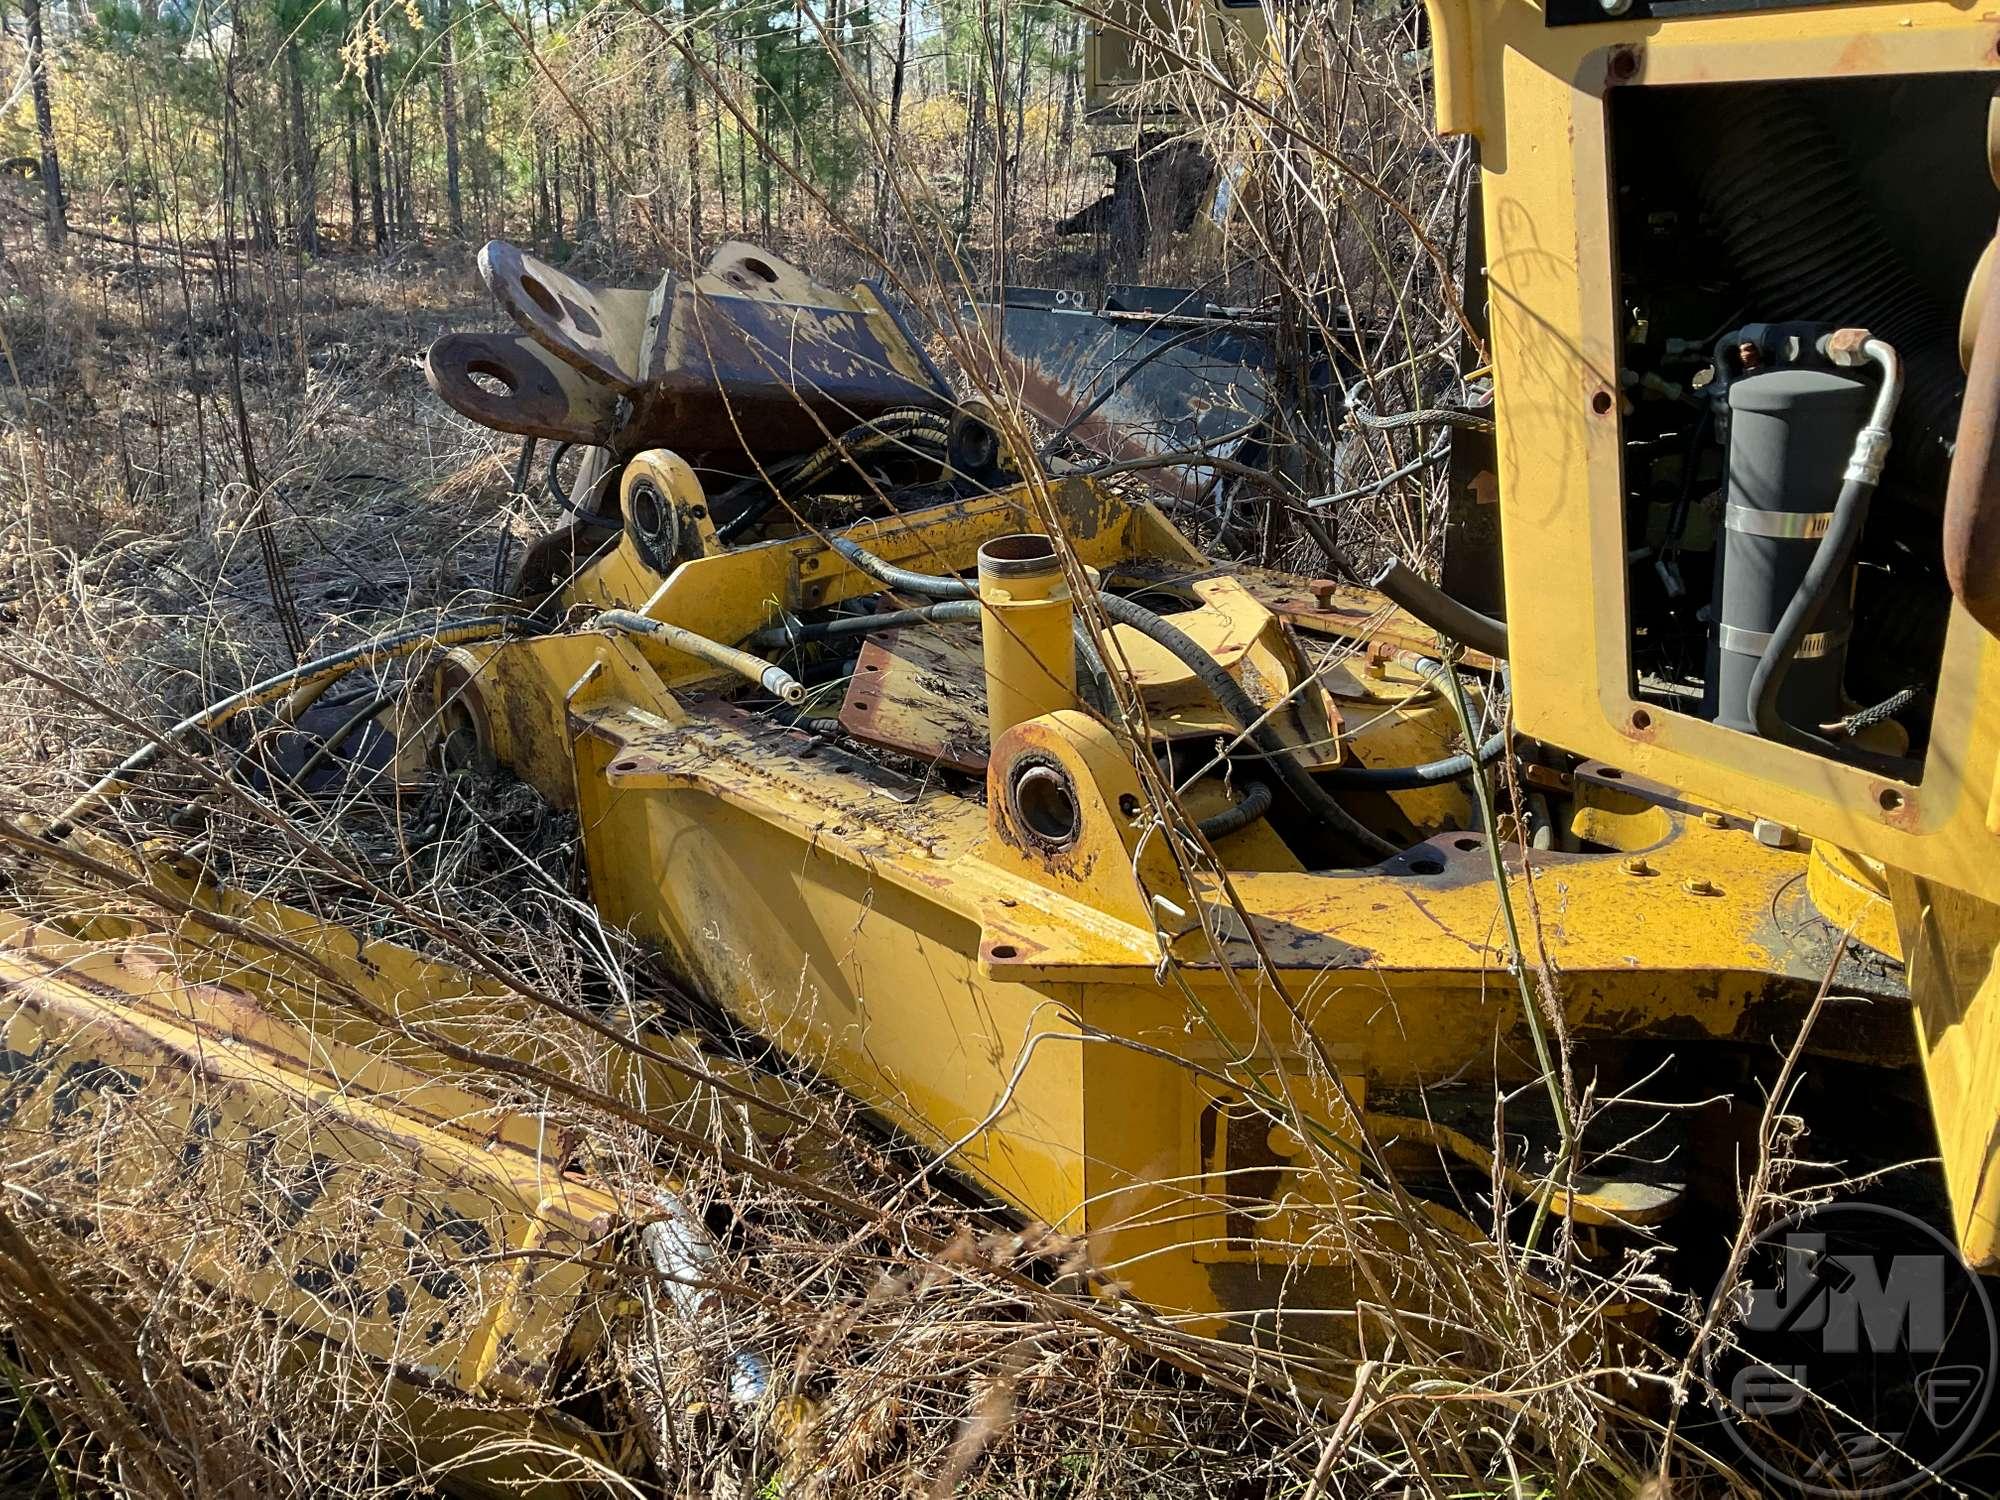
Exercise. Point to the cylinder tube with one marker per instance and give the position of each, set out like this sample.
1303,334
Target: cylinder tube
1025,626
1790,433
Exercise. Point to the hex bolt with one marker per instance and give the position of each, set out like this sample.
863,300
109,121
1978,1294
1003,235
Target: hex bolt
1615,7
1772,834
1637,866
1714,820
1700,887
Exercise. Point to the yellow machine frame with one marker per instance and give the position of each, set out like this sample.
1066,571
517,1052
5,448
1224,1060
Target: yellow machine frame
1080,1021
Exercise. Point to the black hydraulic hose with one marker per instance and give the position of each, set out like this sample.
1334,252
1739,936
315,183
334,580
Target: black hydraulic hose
1248,717
1227,692
312,674
793,633
1433,416
1422,600
911,428
1826,572
904,580
1255,802
1425,774
1416,778
1090,665
1407,589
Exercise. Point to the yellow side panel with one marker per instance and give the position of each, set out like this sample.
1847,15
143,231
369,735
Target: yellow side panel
1535,98
1953,942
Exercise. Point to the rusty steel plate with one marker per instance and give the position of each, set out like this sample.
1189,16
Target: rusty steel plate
923,693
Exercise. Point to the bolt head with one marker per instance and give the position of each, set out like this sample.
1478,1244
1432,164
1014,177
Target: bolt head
1635,865
1772,834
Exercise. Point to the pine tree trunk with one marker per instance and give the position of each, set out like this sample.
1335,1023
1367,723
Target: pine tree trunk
305,190
763,165
975,158
694,134
55,215
378,216
353,179
890,153
555,185
448,79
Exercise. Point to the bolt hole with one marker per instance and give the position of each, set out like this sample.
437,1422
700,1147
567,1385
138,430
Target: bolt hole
1890,799
1004,950
582,321
1601,403
871,667
541,296
861,705
1426,867
493,379
760,269
625,765
1465,843
1641,719
1612,773
1128,804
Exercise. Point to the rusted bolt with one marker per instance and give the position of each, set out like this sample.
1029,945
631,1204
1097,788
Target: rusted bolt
1700,887
1637,866
1749,356
1323,590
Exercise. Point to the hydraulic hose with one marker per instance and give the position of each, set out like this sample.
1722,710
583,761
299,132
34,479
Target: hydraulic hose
1227,692
772,678
1247,716
904,580
1427,774
900,430
1416,778
1097,685
1407,589
313,675
1255,802
1829,567
793,633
